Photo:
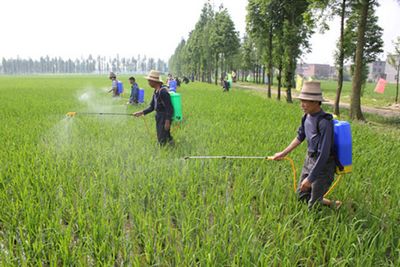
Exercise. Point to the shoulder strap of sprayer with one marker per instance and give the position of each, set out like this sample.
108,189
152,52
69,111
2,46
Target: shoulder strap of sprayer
329,117
163,87
326,116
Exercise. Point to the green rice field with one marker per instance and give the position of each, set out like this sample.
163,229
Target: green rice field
97,190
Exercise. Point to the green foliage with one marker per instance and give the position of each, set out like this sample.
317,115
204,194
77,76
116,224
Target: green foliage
289,25
97,190
212,41
373,37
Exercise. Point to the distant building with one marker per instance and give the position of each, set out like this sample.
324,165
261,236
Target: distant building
316,71
390,71
376,70
333,73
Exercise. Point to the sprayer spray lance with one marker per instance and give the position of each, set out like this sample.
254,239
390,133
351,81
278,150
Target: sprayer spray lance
73,114
227,157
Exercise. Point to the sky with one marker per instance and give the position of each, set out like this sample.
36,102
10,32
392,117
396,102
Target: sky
77,28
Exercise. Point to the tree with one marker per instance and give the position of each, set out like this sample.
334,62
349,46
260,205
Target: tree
297,29
336,8
284,28
247,55
394,61
264,23
213,45
260,27
363,10
224,41
340,57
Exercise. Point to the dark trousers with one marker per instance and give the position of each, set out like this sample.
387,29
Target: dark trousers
321,185
163,135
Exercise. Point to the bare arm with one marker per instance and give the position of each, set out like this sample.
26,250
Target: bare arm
280,155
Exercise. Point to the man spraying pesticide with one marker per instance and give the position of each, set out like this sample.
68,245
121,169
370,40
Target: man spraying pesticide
320,163
116,86
161,103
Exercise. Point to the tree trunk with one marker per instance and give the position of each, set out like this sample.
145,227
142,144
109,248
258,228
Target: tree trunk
279,80
397,82
340,60
216,69
263,75
269,61
355,104
289,78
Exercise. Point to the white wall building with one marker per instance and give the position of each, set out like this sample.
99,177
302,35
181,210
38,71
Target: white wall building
391,73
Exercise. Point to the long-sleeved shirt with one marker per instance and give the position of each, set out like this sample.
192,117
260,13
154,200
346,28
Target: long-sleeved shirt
319,142
161,103
134,92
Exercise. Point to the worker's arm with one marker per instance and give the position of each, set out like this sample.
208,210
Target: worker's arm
280,155
301,135
149,109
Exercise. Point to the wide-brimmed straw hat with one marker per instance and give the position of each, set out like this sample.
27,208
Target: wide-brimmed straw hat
154,75
311,91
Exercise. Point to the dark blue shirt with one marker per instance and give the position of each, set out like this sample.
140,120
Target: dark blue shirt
161,103
134,92
319,143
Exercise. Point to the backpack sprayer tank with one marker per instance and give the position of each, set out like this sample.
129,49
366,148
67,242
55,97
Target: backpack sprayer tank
141,95
343,145
177,105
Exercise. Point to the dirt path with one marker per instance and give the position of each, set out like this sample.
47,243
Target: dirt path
392,111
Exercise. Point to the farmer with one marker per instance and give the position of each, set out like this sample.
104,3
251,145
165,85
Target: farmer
161,103
114,84
169,78
225,84
134,98
319,166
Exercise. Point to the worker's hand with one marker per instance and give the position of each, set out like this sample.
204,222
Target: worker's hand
278,156
138,114
167,125
305,185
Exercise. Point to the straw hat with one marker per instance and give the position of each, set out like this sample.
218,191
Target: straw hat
311,91
154,75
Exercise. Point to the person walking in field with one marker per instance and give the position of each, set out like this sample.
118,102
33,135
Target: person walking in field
134,97
225,85
161,103
114,84
319,165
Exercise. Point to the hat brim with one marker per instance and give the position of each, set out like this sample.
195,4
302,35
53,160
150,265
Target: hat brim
311,98
152,79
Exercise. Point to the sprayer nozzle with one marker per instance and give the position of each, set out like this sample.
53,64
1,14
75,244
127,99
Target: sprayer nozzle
71,114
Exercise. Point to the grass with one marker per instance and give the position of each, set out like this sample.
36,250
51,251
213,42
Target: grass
97,190
369,97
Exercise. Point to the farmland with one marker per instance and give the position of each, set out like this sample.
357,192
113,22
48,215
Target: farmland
97,190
